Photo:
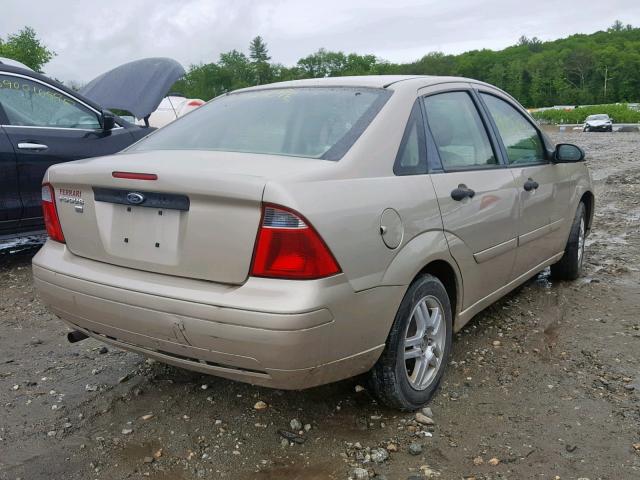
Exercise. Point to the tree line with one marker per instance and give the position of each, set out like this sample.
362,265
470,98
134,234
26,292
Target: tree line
602,67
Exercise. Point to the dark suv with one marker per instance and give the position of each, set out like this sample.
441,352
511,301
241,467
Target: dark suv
41,123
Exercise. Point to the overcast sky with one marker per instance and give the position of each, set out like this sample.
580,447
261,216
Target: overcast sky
91,37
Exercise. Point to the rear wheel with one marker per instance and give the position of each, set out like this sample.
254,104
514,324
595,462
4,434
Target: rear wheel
570,265
415,356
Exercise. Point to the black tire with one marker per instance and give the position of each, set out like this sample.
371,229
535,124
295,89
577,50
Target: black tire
586,129
389,378
570,265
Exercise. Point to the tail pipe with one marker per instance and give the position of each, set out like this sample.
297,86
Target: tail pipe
76,336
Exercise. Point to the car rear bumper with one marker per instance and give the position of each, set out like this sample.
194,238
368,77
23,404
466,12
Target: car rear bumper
277,333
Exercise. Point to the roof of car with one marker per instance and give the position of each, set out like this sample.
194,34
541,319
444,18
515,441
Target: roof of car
372,81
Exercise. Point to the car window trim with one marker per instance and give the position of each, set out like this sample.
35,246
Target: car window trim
434,163
478,92
487,127
62,92
93,130
422,143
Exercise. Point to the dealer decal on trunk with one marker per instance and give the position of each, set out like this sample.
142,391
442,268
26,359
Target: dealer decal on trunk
73,197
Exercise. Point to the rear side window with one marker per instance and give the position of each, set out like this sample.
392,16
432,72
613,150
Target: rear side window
303,122
411,158
458,131
520,138
32,104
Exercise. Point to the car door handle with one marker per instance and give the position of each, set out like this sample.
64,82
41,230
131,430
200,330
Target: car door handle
462,192
32,146
531,185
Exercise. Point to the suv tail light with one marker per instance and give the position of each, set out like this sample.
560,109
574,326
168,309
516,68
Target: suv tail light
51,220
288,247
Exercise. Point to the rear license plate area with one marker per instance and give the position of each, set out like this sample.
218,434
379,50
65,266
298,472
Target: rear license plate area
145,234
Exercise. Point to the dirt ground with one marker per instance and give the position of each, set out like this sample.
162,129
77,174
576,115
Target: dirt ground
544,384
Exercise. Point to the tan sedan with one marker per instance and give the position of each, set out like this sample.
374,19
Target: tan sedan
299,233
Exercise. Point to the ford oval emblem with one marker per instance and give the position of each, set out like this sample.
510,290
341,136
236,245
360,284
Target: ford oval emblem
135,198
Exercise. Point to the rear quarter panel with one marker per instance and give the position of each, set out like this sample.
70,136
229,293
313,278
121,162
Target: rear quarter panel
347,213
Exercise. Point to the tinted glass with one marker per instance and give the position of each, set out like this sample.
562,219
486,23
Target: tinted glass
411,154
458,131
31,103
303,122
520,138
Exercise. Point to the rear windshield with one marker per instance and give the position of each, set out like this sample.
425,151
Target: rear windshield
304,122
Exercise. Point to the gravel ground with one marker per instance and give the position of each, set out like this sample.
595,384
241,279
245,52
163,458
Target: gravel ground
544,384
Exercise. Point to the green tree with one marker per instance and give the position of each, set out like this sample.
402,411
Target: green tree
259,54
236,70
26,47
617,26
258,51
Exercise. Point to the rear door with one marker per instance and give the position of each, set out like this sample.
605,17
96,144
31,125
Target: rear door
10,203
542,195
476,192
46,126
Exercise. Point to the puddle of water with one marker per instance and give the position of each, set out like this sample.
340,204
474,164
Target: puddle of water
134,453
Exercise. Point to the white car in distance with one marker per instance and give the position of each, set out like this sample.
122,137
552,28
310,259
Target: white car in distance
172,107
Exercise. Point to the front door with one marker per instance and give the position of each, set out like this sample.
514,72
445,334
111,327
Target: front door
476,194
46,126
542,197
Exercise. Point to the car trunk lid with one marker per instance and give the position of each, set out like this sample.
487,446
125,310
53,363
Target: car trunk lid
197,219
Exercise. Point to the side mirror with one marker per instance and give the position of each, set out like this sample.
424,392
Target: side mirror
108,121
568,153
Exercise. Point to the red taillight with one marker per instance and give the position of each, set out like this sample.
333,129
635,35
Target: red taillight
51,220
195,103
288,247
135,175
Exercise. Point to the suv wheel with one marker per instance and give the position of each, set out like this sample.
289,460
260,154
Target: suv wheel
415,356
570,265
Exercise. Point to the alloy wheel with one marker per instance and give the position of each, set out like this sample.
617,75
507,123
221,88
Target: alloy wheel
424,342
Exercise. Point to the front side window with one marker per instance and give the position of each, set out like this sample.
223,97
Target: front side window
310,122
520,138
458,131
33,104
